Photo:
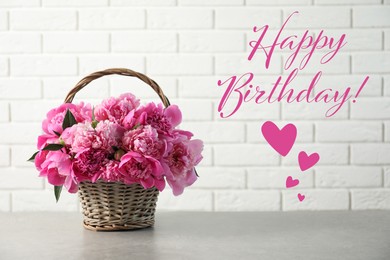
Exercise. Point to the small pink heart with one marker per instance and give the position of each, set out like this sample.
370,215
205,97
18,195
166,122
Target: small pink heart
281,140
290,182
307,161
301,197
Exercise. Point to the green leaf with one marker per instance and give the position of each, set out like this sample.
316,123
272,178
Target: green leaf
32,158
57,192
56,133
53,147
196,173
93,114
69,120
136,126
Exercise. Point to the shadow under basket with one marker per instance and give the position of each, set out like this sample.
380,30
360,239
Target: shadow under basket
111,206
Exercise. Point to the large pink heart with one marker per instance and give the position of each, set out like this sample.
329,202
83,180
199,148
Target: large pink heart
290,182
281,140
307,161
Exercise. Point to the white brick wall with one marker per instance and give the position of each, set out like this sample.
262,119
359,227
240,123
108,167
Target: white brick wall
46,46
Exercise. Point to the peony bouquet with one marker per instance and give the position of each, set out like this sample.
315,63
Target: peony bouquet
117,141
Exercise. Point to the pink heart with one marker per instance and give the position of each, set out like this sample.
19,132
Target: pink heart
307,161
290,182
281,140
301,197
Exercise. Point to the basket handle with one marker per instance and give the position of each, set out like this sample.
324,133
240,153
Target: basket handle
119,71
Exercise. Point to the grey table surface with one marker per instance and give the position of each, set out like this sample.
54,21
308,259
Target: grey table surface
195,235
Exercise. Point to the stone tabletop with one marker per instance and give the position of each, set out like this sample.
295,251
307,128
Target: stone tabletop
199,235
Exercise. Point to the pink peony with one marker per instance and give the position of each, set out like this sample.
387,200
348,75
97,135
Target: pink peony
83,136
52,125
163,120
144,140
90,164
116,109
93,148
111,172
179,164
136,168
57,167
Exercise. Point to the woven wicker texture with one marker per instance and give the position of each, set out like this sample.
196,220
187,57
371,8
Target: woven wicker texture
111,206
117,206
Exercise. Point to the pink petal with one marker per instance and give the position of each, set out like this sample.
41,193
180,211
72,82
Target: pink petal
174,114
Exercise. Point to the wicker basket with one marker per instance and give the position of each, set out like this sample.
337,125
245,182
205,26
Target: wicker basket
109,206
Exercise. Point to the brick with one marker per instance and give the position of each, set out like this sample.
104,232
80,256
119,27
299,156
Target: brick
140,89
43,20
358,39
347,2
44,200
211,42
211,2
248,200
66,3
340,64
386,87
92,63
370,199
4,68
21,153
305,131
20,88
318,199
248,111
207,154
371,62
58,87
348,176
387,131
43,65
387,40
246,18
313,17
180,18
278,2
19,133
142,2
180,65
217,132
199,200
3,20
84,42
111,18
227,64
194,110
339,83
348,132
363,154
20,42
4,110
371,16
371,108
245,155
5,201
20,178
264,178
386,176
4,155
144,42
199,87
220,178
19,3
330,154
19,110
309,111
